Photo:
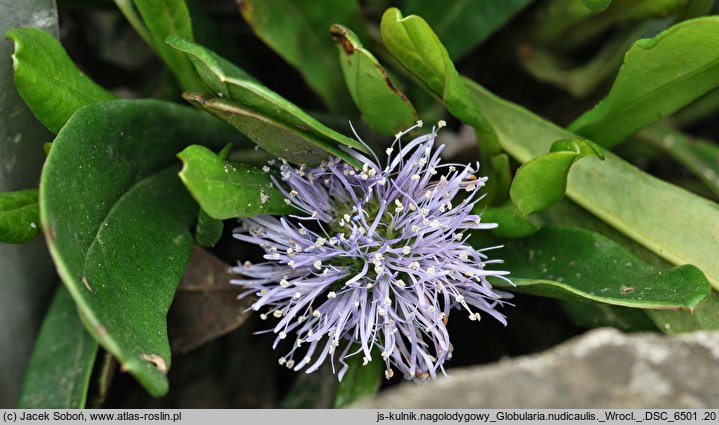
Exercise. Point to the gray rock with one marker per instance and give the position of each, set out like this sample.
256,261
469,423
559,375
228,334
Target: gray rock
603,368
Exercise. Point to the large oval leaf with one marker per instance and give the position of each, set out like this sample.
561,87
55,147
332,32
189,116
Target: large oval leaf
659,76
676,225
47,79
116,220
229,190
58,375
575,264
383,106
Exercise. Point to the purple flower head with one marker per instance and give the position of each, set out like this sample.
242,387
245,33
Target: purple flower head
376,262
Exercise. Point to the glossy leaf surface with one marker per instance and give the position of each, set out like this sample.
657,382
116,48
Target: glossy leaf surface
659,76
674,224
383,106
47,79
229,190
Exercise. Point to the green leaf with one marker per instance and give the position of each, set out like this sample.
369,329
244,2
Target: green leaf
571,25
539,184
229,190
698,110
121,243
127,8
674,224
597,5
233,84
594,315
47,79
208,230
464,24
695,8
704,317
279,139
311,390
164,18
568,213
358,382
575,264
19,216
58,375
411,40
659,76
383,106
699,156
583,79
297,31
